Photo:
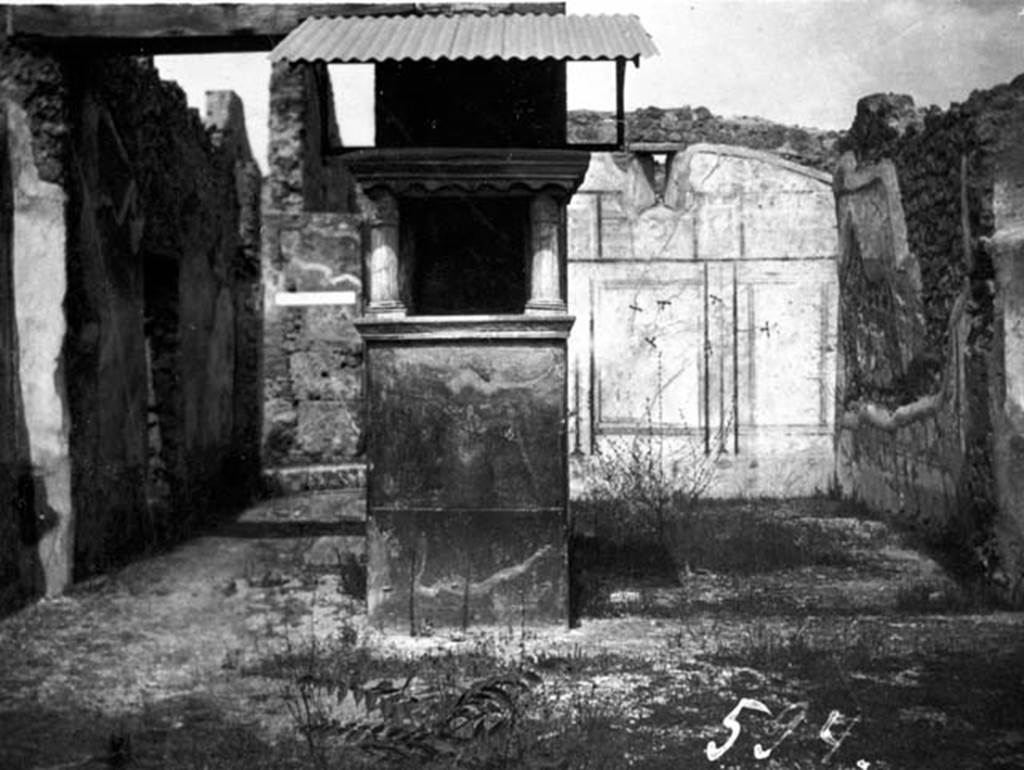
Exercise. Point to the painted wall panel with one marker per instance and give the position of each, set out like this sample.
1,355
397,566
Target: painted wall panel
706,315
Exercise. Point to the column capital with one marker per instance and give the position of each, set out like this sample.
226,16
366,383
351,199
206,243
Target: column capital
382,208
544,208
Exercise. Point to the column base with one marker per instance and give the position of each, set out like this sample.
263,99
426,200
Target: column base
546,307
386,309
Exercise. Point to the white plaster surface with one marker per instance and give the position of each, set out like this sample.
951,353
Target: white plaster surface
40,284
709,308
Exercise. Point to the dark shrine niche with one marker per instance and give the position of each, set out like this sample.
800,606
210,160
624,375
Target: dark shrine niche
470,254
466,231
471,104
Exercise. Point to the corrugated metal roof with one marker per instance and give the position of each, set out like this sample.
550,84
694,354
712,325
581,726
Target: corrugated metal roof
499,36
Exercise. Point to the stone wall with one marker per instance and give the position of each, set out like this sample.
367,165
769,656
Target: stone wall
312,278
924,341
33,78
106,343
225,121
128,274
155,260
1007,379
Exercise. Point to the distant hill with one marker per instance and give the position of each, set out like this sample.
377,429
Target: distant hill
685,126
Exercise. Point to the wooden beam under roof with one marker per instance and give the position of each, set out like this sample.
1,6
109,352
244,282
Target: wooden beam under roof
190,28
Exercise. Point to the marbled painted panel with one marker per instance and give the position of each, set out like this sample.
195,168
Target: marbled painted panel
459,569
467,426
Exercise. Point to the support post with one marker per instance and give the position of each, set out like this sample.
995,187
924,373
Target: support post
546,266
385,299
620,103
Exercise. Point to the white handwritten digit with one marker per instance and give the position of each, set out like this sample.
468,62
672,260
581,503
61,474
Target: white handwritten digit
712,751
827,736
863,764
762,753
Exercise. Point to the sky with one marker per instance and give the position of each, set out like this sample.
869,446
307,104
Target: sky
802,62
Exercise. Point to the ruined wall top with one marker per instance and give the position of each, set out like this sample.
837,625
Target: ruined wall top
946,163
882,120
36,79
710,202
225,120
691,125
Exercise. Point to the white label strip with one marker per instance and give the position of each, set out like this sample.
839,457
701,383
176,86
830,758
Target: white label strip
293,298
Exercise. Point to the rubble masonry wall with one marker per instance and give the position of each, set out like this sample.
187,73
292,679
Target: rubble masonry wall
154,257
313,361
134,285
923,351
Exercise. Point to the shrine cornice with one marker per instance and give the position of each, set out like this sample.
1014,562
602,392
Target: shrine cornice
465,327
413,171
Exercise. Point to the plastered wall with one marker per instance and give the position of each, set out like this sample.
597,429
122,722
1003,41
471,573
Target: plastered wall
704,296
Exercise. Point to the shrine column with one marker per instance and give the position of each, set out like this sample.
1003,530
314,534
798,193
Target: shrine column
385,299
546,259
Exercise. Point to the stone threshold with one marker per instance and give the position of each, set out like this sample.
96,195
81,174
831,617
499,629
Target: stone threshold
313,478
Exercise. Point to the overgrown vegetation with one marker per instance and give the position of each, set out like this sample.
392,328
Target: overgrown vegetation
643,487
426,716
644,492
656,527
469,707
575,708
661,659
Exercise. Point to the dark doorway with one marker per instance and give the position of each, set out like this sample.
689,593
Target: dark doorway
161,292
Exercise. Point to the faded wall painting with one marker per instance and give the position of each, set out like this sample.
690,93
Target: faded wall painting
705,297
